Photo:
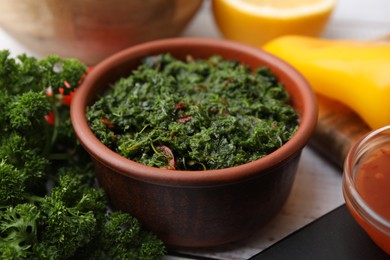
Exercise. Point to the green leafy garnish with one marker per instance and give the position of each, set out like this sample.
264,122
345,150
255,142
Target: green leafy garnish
49,205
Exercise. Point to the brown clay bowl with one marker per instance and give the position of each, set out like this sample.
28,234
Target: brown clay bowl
91,30
192,208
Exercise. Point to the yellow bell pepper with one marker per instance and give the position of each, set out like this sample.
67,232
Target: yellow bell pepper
356,73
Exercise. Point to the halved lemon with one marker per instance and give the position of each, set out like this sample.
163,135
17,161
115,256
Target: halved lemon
258,21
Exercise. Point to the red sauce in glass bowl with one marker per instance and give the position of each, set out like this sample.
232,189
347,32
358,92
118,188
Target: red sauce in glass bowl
373,181
366,185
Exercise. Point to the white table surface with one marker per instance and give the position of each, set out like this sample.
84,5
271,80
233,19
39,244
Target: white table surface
317,188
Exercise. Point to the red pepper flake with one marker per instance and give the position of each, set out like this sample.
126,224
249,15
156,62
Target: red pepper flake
200,88
223,101
89,69
213,110
180,106
81,80
225,112
107,123
67,99
50,118
170,157
67,85
49,92
184,119
229,80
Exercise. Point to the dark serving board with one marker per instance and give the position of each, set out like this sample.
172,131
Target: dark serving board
335,235
338,128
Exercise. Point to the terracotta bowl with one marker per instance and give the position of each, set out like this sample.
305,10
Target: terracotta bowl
91,30
192,208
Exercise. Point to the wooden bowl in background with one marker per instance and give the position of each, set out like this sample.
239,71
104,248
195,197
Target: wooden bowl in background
91,30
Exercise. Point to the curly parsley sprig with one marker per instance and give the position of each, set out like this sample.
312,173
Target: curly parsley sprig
49,205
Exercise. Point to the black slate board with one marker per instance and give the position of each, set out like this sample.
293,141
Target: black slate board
335,235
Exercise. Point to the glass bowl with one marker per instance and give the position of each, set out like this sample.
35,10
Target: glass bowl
366,185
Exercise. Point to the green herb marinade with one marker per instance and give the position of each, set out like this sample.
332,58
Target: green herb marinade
194,114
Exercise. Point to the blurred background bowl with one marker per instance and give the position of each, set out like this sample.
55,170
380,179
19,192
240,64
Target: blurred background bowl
91,30
197,208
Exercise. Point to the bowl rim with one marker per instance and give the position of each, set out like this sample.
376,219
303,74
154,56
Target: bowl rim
150,174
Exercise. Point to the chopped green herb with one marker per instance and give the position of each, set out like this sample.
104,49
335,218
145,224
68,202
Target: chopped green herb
194,114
